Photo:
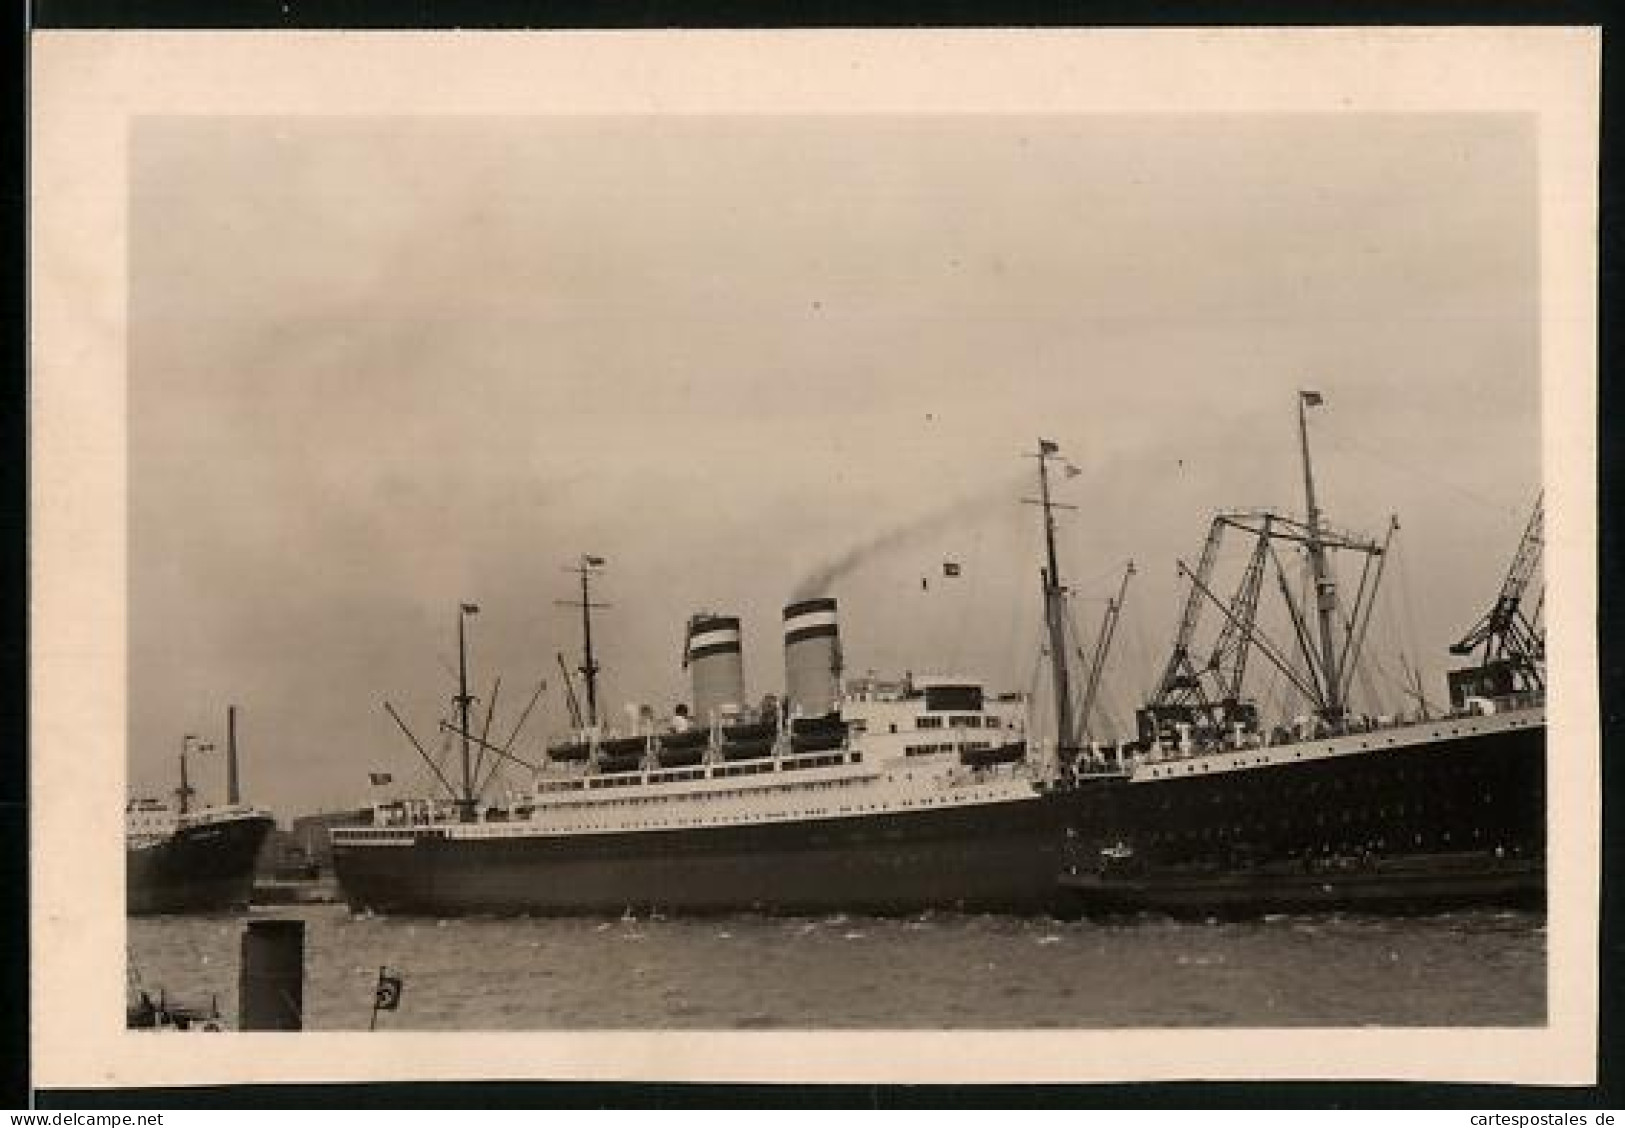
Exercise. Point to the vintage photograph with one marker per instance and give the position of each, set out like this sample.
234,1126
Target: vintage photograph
634,573
590,570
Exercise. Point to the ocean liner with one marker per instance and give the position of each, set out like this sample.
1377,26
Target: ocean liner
864,795
1221,812
184,860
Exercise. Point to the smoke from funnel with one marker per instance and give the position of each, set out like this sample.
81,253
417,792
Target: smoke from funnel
817,582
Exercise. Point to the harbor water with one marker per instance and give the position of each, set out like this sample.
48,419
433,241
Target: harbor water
938,971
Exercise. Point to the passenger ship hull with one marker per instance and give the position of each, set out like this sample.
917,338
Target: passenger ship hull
998,856
1422,818
208,867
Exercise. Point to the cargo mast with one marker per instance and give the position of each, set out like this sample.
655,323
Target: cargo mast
183,793
588,567
1325,582
465,802
1066,739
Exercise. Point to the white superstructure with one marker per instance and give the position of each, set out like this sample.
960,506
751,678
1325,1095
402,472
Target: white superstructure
918,743
149,822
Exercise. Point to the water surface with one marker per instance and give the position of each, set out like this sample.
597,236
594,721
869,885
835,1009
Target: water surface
932,972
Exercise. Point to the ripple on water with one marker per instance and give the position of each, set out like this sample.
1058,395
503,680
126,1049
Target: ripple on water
951,971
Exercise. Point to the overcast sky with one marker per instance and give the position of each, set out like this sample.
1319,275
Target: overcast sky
382,366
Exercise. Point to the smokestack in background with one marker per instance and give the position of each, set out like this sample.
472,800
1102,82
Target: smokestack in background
812,656
715,663
233,784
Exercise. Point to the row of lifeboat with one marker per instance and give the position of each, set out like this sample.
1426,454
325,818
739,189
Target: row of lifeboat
744,740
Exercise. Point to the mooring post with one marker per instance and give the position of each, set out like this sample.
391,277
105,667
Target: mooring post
271,980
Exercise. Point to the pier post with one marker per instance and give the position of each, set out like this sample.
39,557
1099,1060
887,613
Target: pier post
271,979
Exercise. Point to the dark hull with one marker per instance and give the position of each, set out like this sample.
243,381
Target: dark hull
1407,884
994,857
199,869
1443,823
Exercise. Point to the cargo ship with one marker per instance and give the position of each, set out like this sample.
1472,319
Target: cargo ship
1223,812
855,795
184,860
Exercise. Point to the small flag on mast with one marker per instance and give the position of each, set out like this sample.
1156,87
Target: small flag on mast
593,561
471,609
950,567
1047,447
388,995
1312,399
379,779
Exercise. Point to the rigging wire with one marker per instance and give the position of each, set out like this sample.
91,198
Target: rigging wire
1386,459
1407,630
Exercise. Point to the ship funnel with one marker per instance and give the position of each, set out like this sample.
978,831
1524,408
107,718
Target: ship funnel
716,665
812,657
233,785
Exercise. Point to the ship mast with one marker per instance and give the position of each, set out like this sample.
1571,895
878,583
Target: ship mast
183,793
465,803
588,567
1055,605
1103,646
1325,582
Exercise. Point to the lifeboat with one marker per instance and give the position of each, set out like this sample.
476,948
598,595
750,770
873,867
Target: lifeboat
749,741
679,757
681,749
570,750
998,754
817,734
621,753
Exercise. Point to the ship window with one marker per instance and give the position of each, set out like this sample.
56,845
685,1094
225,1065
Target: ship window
927,722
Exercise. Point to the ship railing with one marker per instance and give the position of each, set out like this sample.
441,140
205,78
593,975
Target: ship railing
1481,706
1528,699
208,815
1283,735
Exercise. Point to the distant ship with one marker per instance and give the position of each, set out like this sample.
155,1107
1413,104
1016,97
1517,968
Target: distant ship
877,796
1223,811
184,860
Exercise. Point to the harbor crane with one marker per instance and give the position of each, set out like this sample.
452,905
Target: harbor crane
1509,640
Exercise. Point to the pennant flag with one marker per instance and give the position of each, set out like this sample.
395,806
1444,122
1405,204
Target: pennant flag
471,609
593,561
1047,447
388,995
950,567
380,778
1312,399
